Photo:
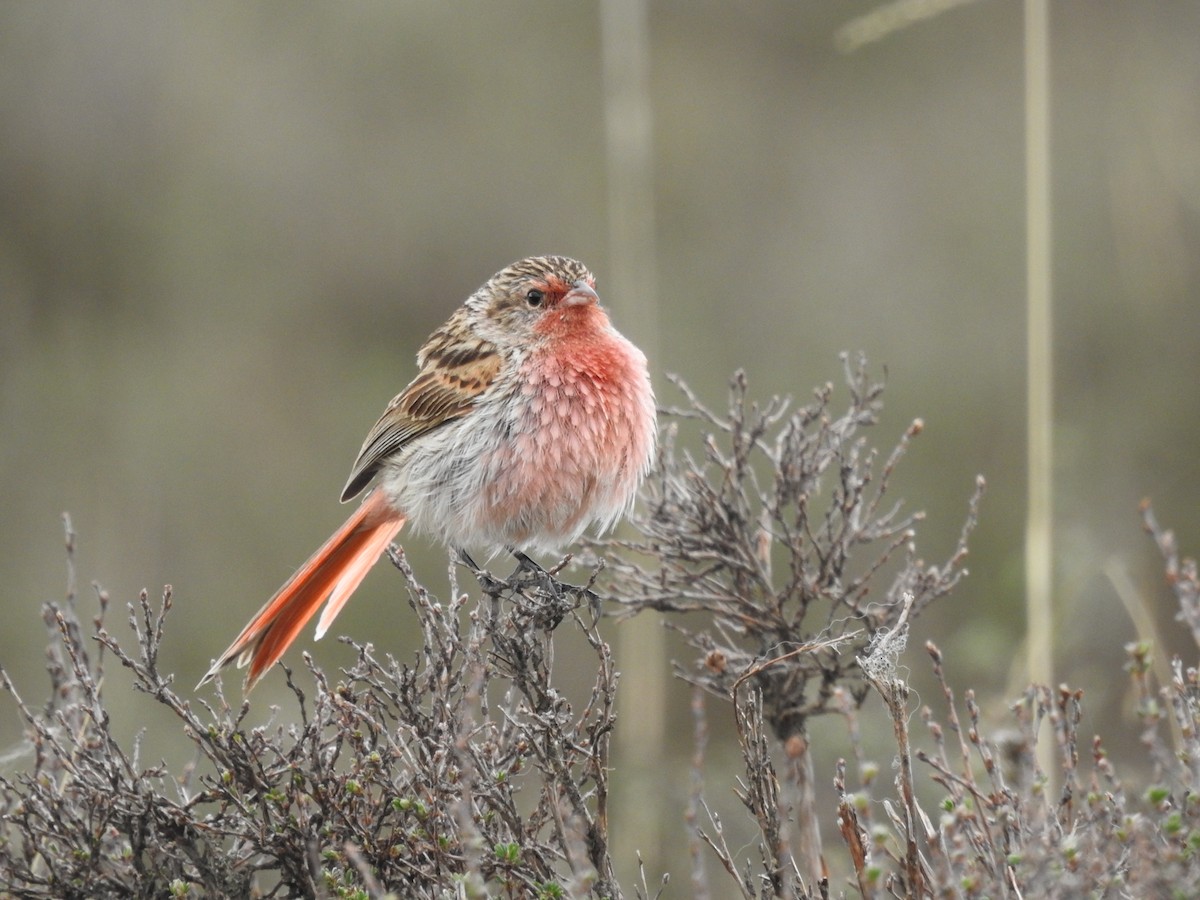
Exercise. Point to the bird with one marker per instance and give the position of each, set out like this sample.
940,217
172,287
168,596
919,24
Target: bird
530,419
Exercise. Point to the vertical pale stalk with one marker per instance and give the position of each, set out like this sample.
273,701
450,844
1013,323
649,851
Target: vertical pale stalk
1039,556
630,281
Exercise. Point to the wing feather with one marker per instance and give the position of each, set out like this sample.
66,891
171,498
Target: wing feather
454,372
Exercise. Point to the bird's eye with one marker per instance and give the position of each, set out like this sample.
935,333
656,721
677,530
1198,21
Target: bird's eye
535,297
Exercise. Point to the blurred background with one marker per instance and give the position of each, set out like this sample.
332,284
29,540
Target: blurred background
226,228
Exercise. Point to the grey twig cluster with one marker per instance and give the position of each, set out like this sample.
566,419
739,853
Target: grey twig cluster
463,773
469,771
780,533
777,553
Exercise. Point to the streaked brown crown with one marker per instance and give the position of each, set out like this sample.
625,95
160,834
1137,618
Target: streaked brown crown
554,271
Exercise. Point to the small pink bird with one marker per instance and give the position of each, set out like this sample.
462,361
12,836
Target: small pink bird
531,419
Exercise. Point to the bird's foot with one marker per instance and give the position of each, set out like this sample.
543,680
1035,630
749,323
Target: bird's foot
526,565
490,583
554,588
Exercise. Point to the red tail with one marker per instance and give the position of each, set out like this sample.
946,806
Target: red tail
332,572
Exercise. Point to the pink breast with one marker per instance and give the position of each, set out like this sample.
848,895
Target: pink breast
579,441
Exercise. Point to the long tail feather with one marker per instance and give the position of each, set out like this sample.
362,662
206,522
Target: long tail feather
332,573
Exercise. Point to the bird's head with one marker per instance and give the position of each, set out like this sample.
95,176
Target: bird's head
542,295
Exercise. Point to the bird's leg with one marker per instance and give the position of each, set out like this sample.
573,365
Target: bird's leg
485,579
525,563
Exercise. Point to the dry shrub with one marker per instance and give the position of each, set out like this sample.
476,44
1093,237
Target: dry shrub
466,772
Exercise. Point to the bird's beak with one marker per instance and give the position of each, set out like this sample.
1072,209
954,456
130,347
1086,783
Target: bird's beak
581,294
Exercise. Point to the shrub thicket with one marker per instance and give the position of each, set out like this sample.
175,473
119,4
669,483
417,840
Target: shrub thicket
466,772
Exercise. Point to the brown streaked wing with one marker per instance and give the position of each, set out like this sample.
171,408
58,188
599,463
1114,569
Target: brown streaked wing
452,377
